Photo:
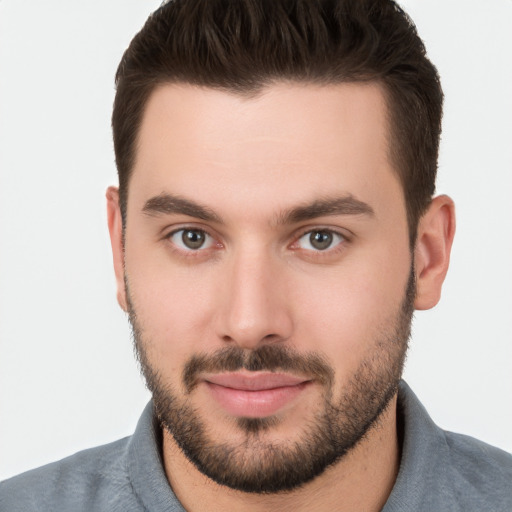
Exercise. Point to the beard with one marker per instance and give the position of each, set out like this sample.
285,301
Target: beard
260,465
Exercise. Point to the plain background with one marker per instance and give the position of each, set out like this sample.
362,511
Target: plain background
68,379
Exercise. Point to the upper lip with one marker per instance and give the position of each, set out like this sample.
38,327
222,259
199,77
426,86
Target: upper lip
257,381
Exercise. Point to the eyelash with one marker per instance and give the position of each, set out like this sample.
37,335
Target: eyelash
199,252
329,250
188,252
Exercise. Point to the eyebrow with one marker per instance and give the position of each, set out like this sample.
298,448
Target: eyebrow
169,204
346,205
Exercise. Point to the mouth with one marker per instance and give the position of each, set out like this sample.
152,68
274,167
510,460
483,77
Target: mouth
255,394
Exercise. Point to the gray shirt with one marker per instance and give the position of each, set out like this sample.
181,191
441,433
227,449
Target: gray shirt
439,471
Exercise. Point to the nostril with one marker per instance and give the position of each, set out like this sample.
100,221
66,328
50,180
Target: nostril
272,338
267,339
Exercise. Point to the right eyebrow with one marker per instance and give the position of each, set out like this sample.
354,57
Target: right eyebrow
168,204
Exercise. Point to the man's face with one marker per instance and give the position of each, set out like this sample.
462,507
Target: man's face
268,275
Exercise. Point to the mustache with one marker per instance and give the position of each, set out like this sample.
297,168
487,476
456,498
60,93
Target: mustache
270,358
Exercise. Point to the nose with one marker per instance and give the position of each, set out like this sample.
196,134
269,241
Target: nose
255,308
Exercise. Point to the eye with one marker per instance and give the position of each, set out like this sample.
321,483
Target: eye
191,239
320,240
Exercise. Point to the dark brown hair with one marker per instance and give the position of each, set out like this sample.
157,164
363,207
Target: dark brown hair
244,45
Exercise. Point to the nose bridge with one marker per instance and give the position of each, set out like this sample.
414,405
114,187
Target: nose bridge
254,311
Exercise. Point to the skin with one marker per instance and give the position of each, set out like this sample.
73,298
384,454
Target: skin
258,281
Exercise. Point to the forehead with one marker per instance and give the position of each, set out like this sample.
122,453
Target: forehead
292,142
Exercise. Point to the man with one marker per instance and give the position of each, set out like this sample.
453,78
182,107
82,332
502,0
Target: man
273,231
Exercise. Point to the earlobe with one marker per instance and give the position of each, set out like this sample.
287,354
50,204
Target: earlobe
115,227
436,230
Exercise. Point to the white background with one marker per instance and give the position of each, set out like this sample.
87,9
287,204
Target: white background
67,375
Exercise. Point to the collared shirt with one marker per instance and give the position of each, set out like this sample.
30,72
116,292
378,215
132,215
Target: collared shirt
439,471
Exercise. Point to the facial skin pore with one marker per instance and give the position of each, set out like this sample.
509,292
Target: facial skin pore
274,224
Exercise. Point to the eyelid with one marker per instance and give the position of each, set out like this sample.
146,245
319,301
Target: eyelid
170,231
208,240
343,233
168,234
184,226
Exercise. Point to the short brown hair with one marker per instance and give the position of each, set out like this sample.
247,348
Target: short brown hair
244,45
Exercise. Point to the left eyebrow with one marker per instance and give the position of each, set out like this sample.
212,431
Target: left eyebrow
346,205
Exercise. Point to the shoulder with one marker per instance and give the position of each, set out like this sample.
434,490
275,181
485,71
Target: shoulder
440,470
482,471
75,483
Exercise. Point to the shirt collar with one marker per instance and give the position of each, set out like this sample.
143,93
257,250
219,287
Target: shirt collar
422,476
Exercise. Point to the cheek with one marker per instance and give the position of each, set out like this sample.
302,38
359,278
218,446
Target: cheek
347,314
174,309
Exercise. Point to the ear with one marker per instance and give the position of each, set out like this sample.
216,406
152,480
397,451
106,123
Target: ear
436,230
115,227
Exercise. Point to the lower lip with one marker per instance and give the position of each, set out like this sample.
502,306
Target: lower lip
254,404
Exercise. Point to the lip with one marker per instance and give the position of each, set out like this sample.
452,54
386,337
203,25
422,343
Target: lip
254,395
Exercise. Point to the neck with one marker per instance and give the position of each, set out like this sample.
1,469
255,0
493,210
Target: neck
362,480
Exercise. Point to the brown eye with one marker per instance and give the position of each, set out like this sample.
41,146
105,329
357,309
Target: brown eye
191,239
320,240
